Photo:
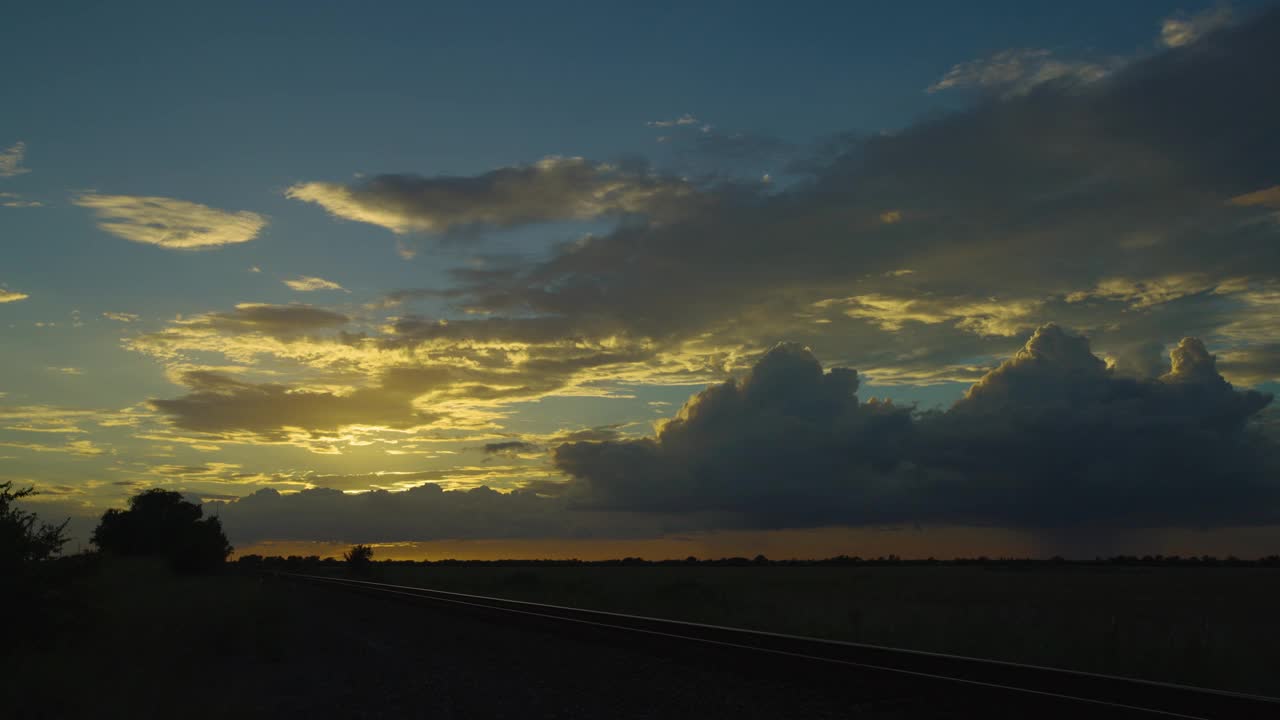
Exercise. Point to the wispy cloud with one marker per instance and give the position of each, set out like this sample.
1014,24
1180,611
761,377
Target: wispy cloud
307,283
552,189
14,200
83,448
11,160
8,296
171,223
65,370
1180,30
123,317
1018,71
685,119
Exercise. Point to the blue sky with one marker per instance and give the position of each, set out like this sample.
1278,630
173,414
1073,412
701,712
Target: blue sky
365,147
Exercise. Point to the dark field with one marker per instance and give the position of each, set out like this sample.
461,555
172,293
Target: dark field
136,641
1213,627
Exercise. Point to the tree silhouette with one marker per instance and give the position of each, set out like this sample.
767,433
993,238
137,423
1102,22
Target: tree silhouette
160,522
359,559
22,540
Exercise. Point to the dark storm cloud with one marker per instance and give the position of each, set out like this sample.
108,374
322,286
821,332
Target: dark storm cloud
423,513
1050,438
1064,190
788,438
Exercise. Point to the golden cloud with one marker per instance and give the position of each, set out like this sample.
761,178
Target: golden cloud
171,223
307,283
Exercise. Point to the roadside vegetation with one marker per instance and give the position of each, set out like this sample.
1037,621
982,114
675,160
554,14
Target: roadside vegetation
124,623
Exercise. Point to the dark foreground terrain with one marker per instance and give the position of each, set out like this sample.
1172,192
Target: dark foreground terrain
150,644
1206,626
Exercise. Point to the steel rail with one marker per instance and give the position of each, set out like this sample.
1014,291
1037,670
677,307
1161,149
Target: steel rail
1132,696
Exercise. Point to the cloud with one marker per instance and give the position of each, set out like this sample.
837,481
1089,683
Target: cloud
278,320
1268,197
510,447
52,419
423,513
11,160
170,223
1106,205
8,296
1018,71
1252,365
1180,30
983,316
307,283
1050,438
1149,292
685,119
219,403
123,317
82,448
551,189
14,200
65,370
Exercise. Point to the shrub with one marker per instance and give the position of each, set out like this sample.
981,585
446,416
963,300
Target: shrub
24,540
359,559
160,522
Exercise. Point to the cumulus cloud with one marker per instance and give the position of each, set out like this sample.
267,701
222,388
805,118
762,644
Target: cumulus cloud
171,223
11,160
784,440
8,296
1113,206
307,283
551,189
1050,438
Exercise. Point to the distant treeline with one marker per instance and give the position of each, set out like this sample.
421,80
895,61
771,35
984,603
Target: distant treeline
1270,561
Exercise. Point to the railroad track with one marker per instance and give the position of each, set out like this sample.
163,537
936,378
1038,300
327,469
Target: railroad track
1091,694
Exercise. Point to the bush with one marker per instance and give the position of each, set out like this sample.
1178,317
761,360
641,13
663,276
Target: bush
23,541
160,522
359,559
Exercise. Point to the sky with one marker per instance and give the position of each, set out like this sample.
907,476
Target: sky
592,280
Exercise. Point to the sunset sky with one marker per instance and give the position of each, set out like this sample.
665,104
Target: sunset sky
604,279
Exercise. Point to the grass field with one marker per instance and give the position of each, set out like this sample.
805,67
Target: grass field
131,639
1214,627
